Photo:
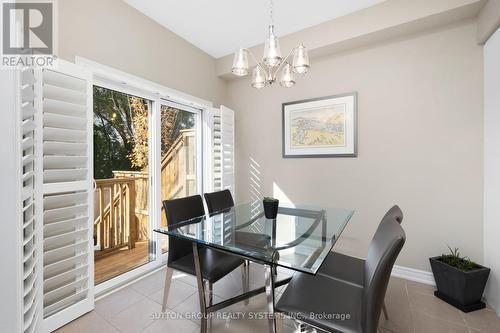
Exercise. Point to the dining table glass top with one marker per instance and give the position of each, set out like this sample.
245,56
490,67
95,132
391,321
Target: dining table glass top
299,238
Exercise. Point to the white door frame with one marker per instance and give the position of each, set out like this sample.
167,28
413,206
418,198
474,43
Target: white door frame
114,79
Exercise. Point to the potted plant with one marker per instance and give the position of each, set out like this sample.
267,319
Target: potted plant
460,281
270,207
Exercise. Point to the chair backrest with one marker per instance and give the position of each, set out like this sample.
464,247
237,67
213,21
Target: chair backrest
217,201
384,249
178,210
396,213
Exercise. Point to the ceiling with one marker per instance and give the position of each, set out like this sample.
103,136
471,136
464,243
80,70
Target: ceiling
219,27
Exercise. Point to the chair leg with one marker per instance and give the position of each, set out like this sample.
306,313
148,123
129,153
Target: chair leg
168,281
210,293
201,289
300,326
269,278
245,279
384,309
246,264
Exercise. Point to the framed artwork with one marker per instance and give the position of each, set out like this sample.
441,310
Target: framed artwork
321,127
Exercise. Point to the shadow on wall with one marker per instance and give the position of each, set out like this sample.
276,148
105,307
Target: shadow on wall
255,186
255,181
258,187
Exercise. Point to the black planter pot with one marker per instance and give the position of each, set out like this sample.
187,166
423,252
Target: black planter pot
463,290
271,209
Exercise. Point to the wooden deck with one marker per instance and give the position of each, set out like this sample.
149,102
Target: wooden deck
121,261
121,222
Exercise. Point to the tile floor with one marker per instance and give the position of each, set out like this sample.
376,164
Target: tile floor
412,308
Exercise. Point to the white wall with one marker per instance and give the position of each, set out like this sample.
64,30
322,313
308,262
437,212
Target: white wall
492,167
420,141
114,34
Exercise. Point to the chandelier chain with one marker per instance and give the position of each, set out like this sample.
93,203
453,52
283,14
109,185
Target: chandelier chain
271,11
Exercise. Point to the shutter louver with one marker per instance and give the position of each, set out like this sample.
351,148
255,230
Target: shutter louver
30,225
67,260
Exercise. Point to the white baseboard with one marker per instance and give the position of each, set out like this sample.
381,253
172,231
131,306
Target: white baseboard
412,274
406,273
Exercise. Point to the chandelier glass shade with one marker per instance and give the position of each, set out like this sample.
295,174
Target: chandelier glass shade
259,78
265,72
301,60
240,63
272,52
287,80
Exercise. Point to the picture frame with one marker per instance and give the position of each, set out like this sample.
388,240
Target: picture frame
320,127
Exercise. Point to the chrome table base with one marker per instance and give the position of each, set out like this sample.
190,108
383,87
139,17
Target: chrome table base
269,289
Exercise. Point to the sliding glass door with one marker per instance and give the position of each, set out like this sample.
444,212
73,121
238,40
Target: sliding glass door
180,155
146,150
122,224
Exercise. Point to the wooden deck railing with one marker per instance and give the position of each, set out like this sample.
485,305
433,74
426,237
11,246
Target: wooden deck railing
122,217
178,169
116,216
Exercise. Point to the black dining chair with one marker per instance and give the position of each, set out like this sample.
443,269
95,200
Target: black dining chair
335,305
217,201
351,269
214,264
222,200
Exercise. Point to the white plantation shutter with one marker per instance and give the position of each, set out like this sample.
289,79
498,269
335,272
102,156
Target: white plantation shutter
227,159
65,99
221,171
223,149
48,223
31,223
20,299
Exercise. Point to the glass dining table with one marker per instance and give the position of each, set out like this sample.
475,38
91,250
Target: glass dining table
299,239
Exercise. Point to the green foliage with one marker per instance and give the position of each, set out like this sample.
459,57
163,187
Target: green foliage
270,199
454,259
121,131
113,132
173,121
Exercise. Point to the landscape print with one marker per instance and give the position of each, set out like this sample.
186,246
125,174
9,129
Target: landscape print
318,127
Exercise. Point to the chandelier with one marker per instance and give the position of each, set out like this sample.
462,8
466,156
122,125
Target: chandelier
272,64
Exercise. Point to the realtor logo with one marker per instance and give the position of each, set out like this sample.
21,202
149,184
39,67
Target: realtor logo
27,28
